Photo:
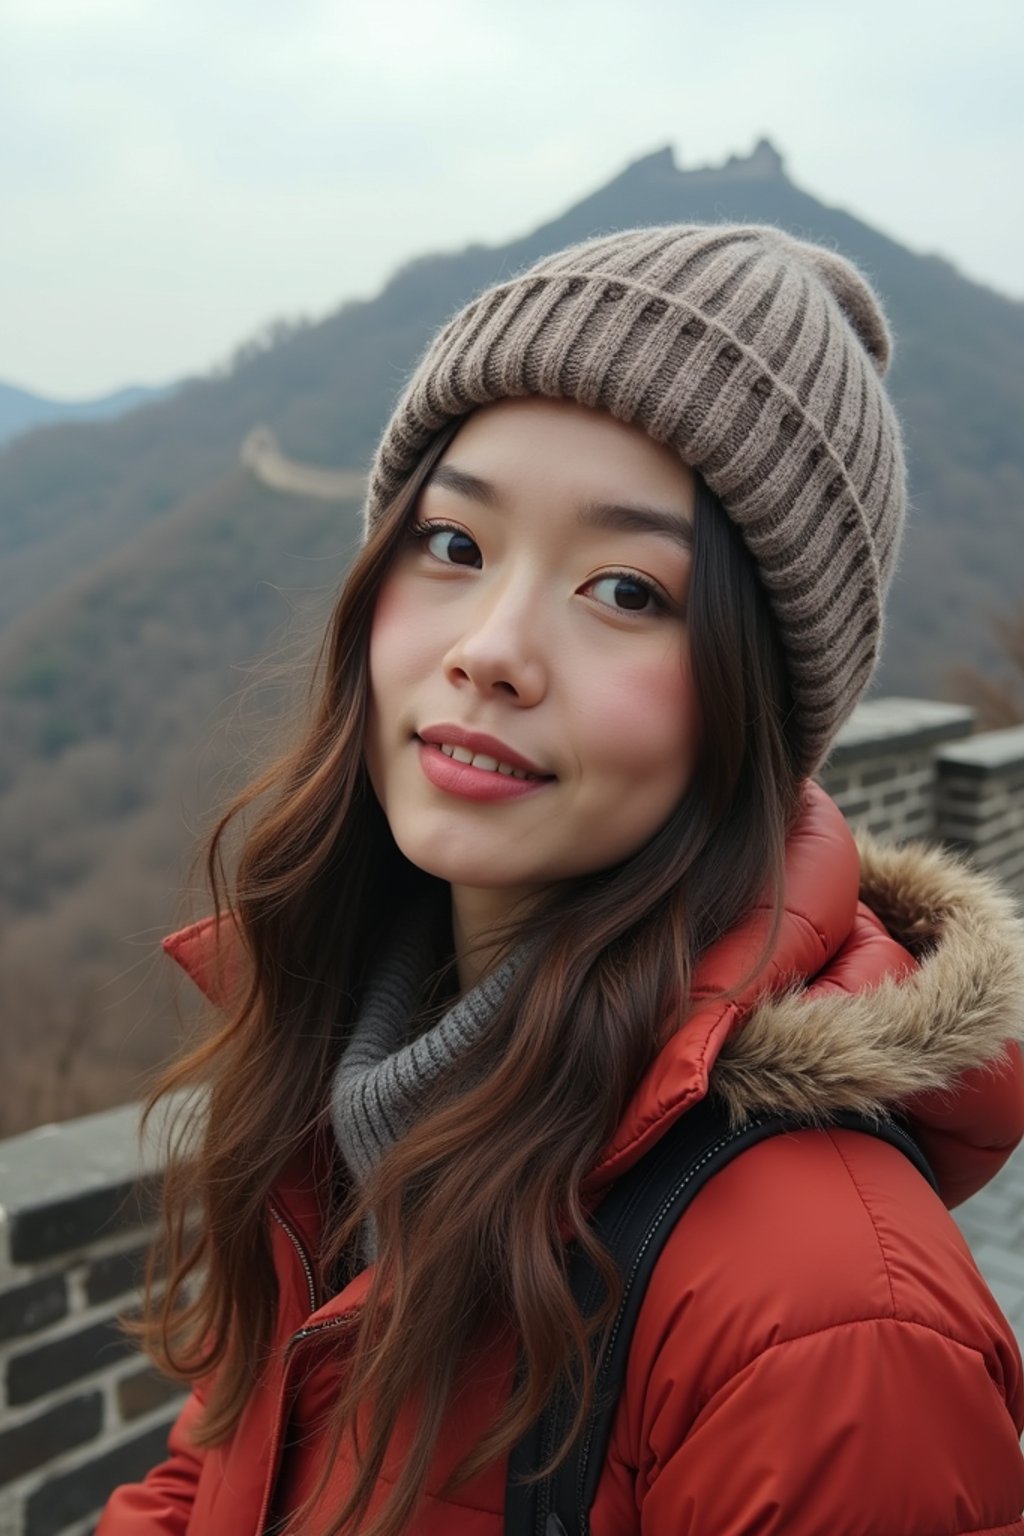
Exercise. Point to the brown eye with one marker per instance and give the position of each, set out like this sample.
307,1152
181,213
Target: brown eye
627,593
452,546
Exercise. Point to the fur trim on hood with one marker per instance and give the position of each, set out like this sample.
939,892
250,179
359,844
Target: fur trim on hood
816,1051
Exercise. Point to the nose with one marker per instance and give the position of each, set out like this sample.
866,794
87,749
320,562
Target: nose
500,649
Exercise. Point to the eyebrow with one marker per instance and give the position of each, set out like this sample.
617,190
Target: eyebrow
622,517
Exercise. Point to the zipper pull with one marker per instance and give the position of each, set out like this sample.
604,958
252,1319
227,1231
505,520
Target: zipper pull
554,1527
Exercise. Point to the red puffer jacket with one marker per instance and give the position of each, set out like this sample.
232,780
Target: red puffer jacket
816,1352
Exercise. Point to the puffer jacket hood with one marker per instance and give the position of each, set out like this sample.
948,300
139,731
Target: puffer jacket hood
896,982
861,1049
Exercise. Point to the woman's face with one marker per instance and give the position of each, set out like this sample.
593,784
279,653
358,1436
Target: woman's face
539,601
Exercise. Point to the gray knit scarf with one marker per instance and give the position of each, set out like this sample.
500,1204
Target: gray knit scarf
386,1072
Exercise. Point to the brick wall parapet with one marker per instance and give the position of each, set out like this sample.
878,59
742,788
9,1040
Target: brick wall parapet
79,1410
980,797
881,771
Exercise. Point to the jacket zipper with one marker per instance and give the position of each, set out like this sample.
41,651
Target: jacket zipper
274,1456
328,1322
304,1258
295,1340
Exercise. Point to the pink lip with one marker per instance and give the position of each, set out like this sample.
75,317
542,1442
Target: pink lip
478,741
473,783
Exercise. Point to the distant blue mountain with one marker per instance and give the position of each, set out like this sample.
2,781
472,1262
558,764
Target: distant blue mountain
20,410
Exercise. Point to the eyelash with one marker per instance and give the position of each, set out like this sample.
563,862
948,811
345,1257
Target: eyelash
420,532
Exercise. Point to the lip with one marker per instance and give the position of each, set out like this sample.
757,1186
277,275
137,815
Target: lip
468,783
479,741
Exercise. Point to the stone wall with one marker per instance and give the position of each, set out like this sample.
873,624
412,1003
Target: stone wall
261,455
980,801
882,772
80,1413
904,768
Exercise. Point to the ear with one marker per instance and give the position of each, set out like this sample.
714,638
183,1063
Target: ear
209,952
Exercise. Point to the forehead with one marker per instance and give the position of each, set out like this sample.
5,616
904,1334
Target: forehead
567,449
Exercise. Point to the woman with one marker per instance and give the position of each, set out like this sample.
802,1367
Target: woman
546,868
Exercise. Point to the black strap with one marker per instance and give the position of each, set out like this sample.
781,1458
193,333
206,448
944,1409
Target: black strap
633,1222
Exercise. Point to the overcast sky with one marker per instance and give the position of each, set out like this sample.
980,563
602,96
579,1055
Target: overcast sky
174,173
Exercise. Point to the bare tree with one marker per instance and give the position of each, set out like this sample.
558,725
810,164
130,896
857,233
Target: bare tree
998,701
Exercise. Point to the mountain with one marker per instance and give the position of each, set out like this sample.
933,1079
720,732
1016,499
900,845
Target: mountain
68,493
144,571
20,410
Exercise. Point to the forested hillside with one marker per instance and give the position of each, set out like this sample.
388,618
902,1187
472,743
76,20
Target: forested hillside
143,572
128,715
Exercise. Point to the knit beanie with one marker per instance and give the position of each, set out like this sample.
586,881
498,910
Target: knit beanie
760,359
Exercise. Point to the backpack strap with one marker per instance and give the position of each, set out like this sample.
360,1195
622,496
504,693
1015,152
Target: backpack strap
633,1223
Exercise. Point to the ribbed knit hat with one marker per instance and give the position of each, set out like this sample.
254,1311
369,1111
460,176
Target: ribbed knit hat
759,358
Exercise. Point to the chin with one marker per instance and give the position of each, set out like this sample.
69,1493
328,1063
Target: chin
473,875
478,868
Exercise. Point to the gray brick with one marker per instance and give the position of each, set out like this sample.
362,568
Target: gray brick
27,1308
44,1231
959,789
86,1488
39,1440
855,806
115,1275
61,1361
883,773
996,753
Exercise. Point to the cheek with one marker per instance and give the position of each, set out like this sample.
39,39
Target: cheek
649,717
390,673
396,640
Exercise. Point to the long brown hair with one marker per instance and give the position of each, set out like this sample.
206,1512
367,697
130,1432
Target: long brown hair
472,1203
